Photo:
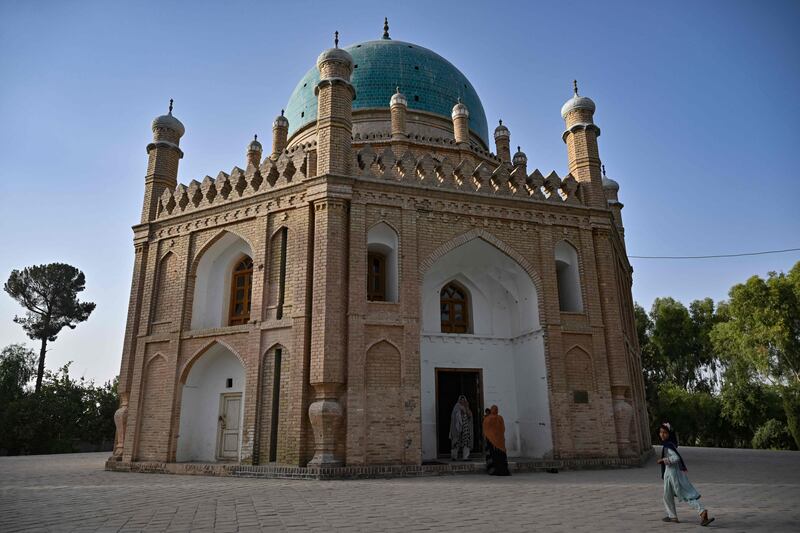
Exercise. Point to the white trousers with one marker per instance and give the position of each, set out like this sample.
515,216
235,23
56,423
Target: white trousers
669,505
454,453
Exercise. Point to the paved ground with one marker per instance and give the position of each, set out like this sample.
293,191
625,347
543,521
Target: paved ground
746,490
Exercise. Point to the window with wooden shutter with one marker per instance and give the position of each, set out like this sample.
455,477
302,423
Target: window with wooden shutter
376,277
241,292
454,305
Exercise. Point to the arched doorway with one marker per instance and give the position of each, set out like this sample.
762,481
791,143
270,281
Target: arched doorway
212,407
493,352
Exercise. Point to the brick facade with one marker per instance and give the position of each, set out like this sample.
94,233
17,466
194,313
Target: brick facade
349,381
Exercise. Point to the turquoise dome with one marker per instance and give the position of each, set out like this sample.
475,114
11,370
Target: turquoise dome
429,82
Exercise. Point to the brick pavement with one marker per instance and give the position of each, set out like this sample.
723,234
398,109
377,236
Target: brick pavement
747,490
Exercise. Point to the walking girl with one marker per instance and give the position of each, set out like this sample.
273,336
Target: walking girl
676,482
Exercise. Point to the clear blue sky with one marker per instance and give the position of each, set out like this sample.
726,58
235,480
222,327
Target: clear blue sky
697,102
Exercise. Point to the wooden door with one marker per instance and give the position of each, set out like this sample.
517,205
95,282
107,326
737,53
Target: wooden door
228,426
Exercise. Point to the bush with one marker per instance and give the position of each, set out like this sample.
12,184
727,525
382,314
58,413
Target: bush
773,435
64,416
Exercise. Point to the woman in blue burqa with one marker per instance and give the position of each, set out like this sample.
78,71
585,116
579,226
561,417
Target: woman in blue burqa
676,482
460,429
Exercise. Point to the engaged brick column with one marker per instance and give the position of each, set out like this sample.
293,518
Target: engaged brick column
616,351
329,329
129,344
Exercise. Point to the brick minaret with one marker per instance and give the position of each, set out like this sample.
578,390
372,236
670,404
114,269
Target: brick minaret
335,97
399,106
461,123
330,204
502,139
520,161
162,165
254,150
611,190
581,139
280,132
584,164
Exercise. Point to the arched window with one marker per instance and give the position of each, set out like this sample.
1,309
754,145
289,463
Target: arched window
376,277
454,305
241,289
568,277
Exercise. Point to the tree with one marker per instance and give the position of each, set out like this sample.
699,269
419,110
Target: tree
675,341
17,366
652,367
49,294
762,332
747,402
672,340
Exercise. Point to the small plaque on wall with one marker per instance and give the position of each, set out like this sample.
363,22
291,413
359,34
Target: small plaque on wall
580,396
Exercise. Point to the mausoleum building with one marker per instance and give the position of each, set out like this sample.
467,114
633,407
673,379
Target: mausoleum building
327,303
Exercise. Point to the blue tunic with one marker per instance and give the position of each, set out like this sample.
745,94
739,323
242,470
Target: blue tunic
676,482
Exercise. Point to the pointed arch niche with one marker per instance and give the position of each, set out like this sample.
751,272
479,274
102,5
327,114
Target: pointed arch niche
213,285
212,401
569,278
166,300
503,341
382,271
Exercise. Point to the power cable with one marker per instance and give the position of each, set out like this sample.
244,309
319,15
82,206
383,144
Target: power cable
712,256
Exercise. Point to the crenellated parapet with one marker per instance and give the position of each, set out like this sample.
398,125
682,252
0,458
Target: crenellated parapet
485,177
290,167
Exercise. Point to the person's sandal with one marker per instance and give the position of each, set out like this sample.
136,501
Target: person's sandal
668,519
705,521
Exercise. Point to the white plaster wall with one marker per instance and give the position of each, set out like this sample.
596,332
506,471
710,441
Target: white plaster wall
505,342
213,282
383,239
533,414
200,401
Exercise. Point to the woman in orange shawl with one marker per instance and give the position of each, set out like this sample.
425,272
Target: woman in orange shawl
494,430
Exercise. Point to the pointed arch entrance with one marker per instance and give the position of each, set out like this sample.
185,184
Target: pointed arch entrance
212,401
501,343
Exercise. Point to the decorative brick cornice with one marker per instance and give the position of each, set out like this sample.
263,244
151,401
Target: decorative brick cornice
581,126
335,82
165,144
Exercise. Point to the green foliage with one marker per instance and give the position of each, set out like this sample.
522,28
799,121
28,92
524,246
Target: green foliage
49,294
65,415
675,343
762,329
791,406
773,435
747,403
17,367
671,340
694,415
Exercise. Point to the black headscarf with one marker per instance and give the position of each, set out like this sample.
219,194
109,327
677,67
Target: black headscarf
672,444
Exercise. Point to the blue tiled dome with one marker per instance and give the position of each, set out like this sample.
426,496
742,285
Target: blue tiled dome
429,82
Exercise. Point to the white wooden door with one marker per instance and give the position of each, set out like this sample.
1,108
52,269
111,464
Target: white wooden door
230,411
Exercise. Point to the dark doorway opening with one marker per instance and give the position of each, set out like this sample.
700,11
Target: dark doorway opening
276,402
450,384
